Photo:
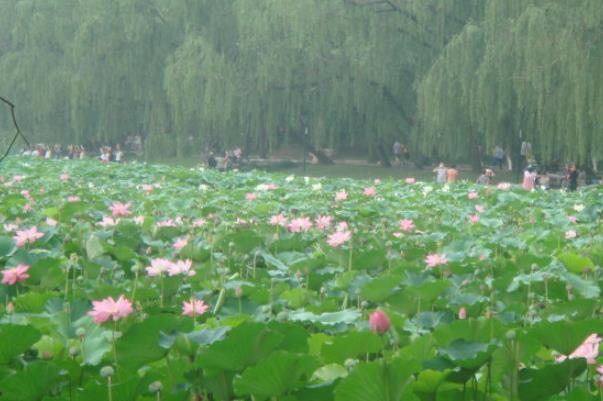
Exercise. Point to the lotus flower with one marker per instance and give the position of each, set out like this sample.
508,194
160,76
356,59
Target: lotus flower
370,191
194,308
569,234
27,236
379,322
250,196
472,195
183,267
108,308
339,238
15,275
589,350
462,313
301,224
158,266
199,223
180,243
120,209
407,225
341,196
474,219
434,260
323,222
410,180
278,220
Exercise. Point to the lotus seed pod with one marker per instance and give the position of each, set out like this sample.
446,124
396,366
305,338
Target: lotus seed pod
510,335
80,332
107,371
155,387
74,351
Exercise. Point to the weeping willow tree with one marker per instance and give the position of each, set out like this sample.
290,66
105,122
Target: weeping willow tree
529,71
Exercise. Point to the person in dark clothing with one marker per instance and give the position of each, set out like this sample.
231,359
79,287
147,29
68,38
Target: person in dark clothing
572,177
211,160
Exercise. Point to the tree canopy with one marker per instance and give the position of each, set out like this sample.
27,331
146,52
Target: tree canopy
442,77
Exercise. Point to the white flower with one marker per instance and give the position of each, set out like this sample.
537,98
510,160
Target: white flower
306,179
317,187
261,187
578,208
203,187
290,178
446,188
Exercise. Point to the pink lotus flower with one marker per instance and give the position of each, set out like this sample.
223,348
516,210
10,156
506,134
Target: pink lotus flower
158,266
370,191
120,209
323,222
398,234
147,188
472,195
250,196
278,220
10,227
407,225
434,260
462,313
18,178
271,186
339,238
166,223
73,199
301,224
27,208
181,243
199,223
341,196
139,220
342,226
183,267
474,219
108,308
194,308
572,219
379,322
479,208
108,222
15,275
27,236
569,234
589,350
26,194
64,177
51,222
240,222
410,180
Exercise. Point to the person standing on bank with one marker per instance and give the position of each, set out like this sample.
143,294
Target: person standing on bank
499,156
572,177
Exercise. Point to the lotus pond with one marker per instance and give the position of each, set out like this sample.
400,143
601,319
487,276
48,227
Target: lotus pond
139,282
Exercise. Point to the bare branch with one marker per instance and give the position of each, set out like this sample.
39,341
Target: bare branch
18,133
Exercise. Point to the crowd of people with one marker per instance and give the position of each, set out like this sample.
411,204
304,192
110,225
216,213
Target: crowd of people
75,152
231,160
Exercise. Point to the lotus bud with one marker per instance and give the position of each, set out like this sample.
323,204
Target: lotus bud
379,322
107,371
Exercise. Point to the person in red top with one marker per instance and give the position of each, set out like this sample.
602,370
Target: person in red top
452,174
